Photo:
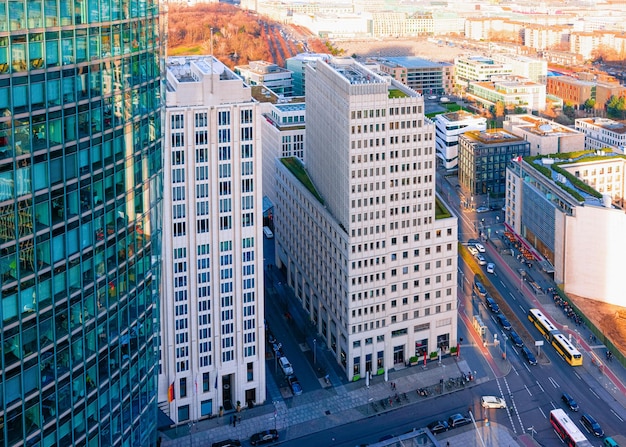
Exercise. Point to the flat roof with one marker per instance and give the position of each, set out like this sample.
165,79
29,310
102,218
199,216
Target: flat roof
492,136
414,62
606,123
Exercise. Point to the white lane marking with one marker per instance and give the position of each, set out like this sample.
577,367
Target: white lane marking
527,390
523,310
594,393
553,382
544,415
617,416
576,374
540,387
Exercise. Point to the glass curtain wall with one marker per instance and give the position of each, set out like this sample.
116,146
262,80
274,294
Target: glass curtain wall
80,166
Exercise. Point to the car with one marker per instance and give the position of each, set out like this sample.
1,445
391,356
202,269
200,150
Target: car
503,322
431,97
609,442
480,259
530,357
495,207
591,425
264,437
482,209
492,402
516,339
473,242
491,268
480,247
295,386
570,402
479,288
473,250
227,443
285,366
438,427
458,420
491,304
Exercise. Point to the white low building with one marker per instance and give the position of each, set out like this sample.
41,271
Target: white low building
603,133
545,136
448,127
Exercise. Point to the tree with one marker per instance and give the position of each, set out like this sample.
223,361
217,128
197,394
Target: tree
568,110
589,104
616,107
498,110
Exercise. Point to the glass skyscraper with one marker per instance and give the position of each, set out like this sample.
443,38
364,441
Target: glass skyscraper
80,166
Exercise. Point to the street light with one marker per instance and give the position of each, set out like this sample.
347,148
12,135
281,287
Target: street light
314,352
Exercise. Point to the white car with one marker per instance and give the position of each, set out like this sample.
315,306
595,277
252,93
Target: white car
492,402
491,268
285,366
480,258
473,250
480,247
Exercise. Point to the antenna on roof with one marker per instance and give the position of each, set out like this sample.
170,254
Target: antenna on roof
211,61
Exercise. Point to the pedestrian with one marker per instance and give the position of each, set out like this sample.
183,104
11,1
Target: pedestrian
234,421
231,420
447,443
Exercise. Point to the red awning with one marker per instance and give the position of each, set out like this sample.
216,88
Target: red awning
525,244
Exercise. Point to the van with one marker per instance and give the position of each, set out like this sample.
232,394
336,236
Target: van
285,366
267,232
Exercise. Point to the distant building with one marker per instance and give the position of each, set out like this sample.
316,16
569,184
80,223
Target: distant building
527,67
270,75
448,127
512,91
477,69
365,245
545,136
297,65
603,133
422,75
212,311
579,233
542,37
483,157
577,91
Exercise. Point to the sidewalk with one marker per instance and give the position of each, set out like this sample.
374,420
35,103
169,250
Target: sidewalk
331,407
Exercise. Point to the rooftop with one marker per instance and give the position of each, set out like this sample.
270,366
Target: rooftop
412,62
460,115
189,68
264,94
356,74
493,136
539,126
606,123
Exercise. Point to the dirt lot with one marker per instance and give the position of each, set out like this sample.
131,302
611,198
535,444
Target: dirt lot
402,47
610,319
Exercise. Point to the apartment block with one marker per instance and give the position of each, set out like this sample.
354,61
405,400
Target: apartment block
423,76
369,250
512,91
477,69
601,133
267,74
212,312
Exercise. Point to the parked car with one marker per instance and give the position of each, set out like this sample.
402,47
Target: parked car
609,442
491,268
591,425
479,288
473,250
480,259
295,386
480,247
530,357
458,420
473,242
516,339
570,402
264,437
492,402
503,322
227,443
491,304
482,209
285,366
438,427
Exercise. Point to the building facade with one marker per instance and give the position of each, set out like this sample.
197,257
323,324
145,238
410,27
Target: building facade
368,254
545,136
297,65
212,332
602,133
511,91
483,158
477,69
267,74
80,210
423,76
448,127
562,224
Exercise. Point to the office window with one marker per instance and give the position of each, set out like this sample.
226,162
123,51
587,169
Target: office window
183,387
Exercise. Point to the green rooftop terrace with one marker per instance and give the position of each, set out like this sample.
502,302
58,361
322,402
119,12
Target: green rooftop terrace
297,169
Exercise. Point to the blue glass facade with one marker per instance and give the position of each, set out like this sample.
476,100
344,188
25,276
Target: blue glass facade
80,192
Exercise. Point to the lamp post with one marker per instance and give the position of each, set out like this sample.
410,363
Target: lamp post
314,352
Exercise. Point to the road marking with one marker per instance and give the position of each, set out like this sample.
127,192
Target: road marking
576,374
617,416
553,405
553,382
526,366
527,390
539,385
512,296
523,310
594,393
544,415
